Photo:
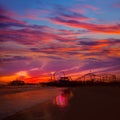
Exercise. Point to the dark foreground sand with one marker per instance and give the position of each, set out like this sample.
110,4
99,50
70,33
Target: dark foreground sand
87,103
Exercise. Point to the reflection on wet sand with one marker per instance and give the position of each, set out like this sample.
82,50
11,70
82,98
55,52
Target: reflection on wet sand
15,102
80,103
49,110
62,100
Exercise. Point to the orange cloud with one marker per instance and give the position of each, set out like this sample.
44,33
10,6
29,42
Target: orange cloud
19,75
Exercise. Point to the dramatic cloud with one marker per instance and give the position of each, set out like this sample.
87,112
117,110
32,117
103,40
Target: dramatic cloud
9,22
100,28
37,39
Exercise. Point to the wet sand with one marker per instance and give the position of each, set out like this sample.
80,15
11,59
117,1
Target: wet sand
17,101
86,103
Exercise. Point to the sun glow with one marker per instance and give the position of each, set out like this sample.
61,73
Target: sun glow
22,73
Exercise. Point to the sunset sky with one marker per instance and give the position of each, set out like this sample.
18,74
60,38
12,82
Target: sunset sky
38,37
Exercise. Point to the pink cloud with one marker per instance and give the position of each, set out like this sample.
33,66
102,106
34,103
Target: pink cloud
100,28
7,12
116,5
77,10
35,14
93,8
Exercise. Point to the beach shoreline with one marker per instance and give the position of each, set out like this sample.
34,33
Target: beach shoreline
17,89
16,100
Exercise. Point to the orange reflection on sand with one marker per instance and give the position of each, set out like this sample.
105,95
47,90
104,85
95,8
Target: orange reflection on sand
62,100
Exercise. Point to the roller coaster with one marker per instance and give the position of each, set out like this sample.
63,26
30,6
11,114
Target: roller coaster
91,76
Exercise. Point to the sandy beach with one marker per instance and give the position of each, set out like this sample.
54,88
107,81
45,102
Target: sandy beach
82,103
